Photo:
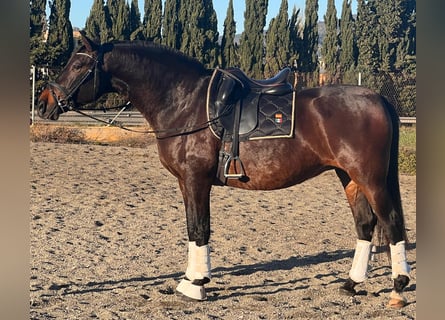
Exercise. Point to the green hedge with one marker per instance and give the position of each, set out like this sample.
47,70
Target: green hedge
407,150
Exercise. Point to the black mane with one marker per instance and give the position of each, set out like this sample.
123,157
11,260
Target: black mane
157,51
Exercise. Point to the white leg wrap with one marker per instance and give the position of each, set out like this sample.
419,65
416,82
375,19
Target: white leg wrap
198,266
359,269
398,260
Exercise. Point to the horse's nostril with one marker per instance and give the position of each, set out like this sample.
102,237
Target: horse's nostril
41,108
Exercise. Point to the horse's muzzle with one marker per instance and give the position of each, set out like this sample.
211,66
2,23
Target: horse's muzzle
45,112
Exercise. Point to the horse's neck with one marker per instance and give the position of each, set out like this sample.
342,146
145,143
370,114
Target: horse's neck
159,91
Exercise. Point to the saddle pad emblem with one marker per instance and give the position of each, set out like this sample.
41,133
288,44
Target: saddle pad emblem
278,118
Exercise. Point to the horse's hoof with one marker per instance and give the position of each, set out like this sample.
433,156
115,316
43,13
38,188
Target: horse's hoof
347,289
192,291
350,292
397,303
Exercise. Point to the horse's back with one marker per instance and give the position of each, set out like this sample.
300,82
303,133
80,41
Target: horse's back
339,110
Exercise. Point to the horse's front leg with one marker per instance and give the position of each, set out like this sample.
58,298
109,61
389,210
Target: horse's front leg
197,205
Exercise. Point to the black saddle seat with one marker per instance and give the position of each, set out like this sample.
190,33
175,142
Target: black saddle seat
276,85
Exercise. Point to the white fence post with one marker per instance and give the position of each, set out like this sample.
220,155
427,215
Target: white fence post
33,74
359,78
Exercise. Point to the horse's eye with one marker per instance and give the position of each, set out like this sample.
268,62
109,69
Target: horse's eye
77,66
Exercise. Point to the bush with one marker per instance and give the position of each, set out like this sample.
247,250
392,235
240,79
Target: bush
407,161
46,133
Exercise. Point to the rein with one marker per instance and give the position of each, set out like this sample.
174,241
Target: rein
175,131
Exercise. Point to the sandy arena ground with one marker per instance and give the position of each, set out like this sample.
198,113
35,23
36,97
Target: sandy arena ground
108,241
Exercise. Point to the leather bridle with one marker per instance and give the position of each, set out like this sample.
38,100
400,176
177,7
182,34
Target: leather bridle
65,102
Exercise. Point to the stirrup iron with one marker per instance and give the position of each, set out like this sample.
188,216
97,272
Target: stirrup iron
227,167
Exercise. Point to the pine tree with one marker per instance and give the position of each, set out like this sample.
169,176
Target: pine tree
153,20
252,38
136,32
330,47
228,50
348,52
37,28
60,33
277,42
98,25
171,26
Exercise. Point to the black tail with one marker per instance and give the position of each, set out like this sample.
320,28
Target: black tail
393,176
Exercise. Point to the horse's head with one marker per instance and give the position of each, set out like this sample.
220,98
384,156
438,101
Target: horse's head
80,82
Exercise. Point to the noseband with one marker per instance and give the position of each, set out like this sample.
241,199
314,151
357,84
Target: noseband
66,101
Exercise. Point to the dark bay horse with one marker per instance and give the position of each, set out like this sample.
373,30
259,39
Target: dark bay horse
349,129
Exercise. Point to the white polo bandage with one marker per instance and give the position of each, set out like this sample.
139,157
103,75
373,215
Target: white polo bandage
398,260
359,269
198,266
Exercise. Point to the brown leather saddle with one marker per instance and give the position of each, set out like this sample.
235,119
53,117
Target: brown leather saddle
248,109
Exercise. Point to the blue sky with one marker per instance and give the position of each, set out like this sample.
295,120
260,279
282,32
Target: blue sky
80,10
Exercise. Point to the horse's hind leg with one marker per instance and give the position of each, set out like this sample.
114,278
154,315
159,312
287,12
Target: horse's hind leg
365,221
390,217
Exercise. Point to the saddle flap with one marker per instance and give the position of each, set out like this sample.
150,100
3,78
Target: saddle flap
248,117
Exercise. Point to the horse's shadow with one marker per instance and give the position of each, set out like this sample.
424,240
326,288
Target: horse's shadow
219,272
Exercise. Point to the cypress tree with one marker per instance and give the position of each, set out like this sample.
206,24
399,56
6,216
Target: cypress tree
112,8
228,49
330,47
348,52
309,58
136,31
153,20
186,23
37,26
171,27
295,39
60,33
200,35
97,25
37,18
119,12
368,49
252,38
406,50
277,42
209,29
389,31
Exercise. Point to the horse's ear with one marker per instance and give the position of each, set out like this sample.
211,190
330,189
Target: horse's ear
87,42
